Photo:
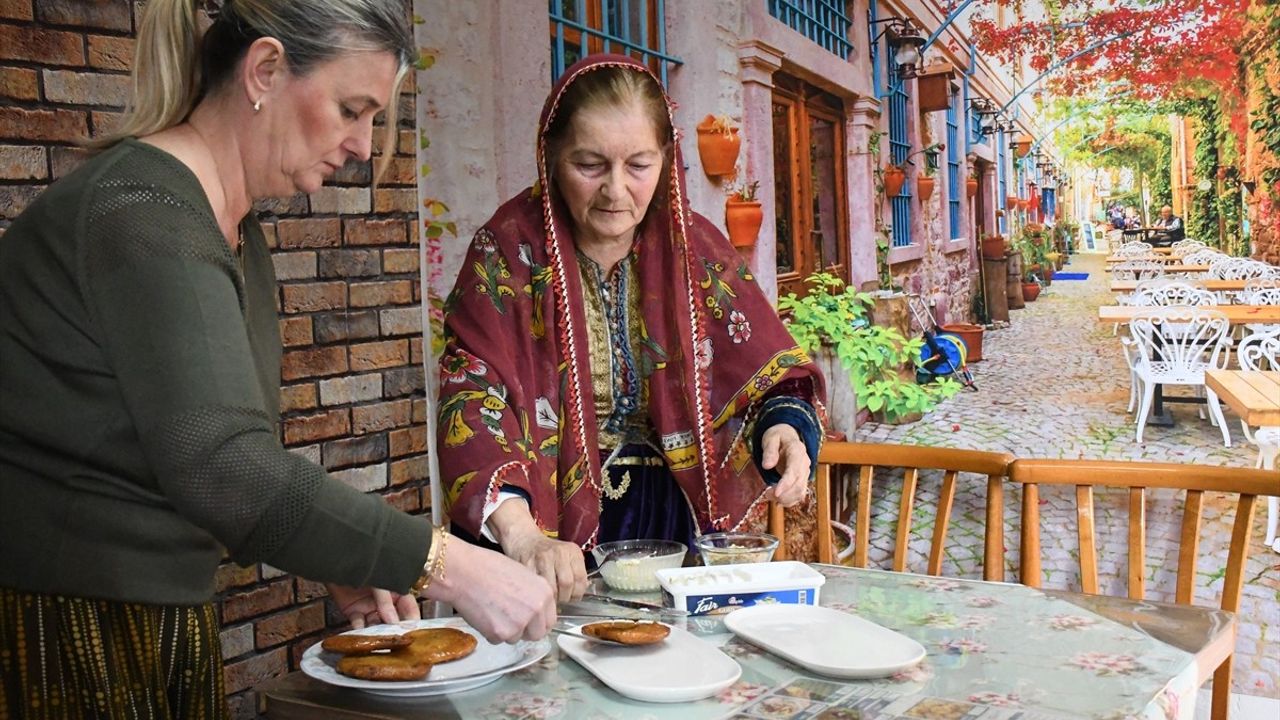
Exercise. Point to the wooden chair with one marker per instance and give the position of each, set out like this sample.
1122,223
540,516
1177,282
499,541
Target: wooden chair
1084,475
867,457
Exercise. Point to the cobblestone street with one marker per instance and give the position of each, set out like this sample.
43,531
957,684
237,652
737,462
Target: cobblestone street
1055,384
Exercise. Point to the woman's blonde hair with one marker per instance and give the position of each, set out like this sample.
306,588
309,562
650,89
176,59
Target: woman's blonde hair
175,66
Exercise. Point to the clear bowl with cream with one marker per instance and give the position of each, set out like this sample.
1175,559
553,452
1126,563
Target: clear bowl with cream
629,565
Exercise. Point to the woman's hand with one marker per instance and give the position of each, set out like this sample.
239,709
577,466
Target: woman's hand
559,563
495,594
371,606
782,448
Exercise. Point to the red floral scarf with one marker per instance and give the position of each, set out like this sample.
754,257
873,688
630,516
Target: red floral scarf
515,395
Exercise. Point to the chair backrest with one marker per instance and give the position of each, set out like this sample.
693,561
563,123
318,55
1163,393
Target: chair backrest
1134,247
1196,480
1237,268
1182,247
838,457
1171,292
1201,256
1138,270
1261,291
1260,350
1181,338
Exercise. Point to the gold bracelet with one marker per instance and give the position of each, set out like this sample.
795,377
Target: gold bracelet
435,557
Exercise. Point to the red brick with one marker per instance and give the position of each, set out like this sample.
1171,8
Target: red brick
349,452
46,125
289,625
15,9
409,441
308,233
407,500
313,297
244,705
295,204
86,88
415,350
400,260
66,159
250,672
295,331
230,575
318,362
308,590
388,200
373,232
400,171
48,47
297,397
412,470
108,52
109,14
23,162
382,416
310,428
15,198
375,355
259,601
419,410
373,294
19,84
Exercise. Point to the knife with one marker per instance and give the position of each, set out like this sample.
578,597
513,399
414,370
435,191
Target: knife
646,607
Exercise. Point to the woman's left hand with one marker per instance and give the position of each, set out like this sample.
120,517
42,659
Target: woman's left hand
783,449
371,606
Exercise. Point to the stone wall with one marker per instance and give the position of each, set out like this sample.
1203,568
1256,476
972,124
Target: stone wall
347,261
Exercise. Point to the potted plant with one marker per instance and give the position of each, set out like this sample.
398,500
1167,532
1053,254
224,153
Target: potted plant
993,247
971,186
1030,288
743,215
718,145
894,176
925,183
831,321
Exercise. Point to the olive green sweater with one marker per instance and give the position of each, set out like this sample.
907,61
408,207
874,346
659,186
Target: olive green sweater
139,397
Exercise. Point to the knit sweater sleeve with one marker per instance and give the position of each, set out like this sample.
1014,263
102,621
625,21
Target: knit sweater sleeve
168,303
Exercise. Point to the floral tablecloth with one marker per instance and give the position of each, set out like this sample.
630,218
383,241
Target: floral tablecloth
995,651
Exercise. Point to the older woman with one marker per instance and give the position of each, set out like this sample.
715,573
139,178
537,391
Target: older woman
140,368
611,366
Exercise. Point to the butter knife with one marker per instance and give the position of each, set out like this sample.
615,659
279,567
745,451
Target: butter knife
646,607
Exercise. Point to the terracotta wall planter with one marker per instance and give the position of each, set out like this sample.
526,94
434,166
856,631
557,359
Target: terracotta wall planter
894,176
1022,145
971,187
717,150
743,219
924,186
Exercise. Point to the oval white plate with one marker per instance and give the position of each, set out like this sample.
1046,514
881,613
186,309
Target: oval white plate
826,641
678,669
488,663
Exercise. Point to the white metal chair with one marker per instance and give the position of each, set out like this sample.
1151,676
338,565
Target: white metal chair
1237,268
1135,248
1186,247
1160,292
1137,270
1176,345
1261,351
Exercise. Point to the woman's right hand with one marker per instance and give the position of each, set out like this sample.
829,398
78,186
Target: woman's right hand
496,595
560,563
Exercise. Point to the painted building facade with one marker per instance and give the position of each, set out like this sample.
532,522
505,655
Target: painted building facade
822,108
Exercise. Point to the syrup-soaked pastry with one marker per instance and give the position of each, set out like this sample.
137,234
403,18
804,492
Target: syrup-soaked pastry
396,666
364,644
628,633
441,645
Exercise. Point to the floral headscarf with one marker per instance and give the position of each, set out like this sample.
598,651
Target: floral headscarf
516,399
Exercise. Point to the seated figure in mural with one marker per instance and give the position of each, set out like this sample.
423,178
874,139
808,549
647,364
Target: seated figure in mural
1170,229
140,377
611,369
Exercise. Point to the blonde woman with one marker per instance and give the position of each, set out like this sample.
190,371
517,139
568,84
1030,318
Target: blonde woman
139,374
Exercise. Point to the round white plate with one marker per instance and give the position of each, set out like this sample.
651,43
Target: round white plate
679,669
826,641
488,663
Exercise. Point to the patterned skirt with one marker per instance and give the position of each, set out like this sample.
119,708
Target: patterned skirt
68,657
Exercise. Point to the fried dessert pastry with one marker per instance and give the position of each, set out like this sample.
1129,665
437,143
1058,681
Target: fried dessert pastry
364,644
628,633
440,645
396,666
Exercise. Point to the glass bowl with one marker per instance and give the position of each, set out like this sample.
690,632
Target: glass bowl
629,565
729,548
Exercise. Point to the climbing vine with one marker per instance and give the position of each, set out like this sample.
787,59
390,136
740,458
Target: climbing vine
1202,216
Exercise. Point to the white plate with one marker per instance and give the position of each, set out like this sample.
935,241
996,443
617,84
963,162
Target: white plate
488,663
826,641
678,669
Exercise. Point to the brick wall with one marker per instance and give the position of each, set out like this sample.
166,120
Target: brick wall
352,386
